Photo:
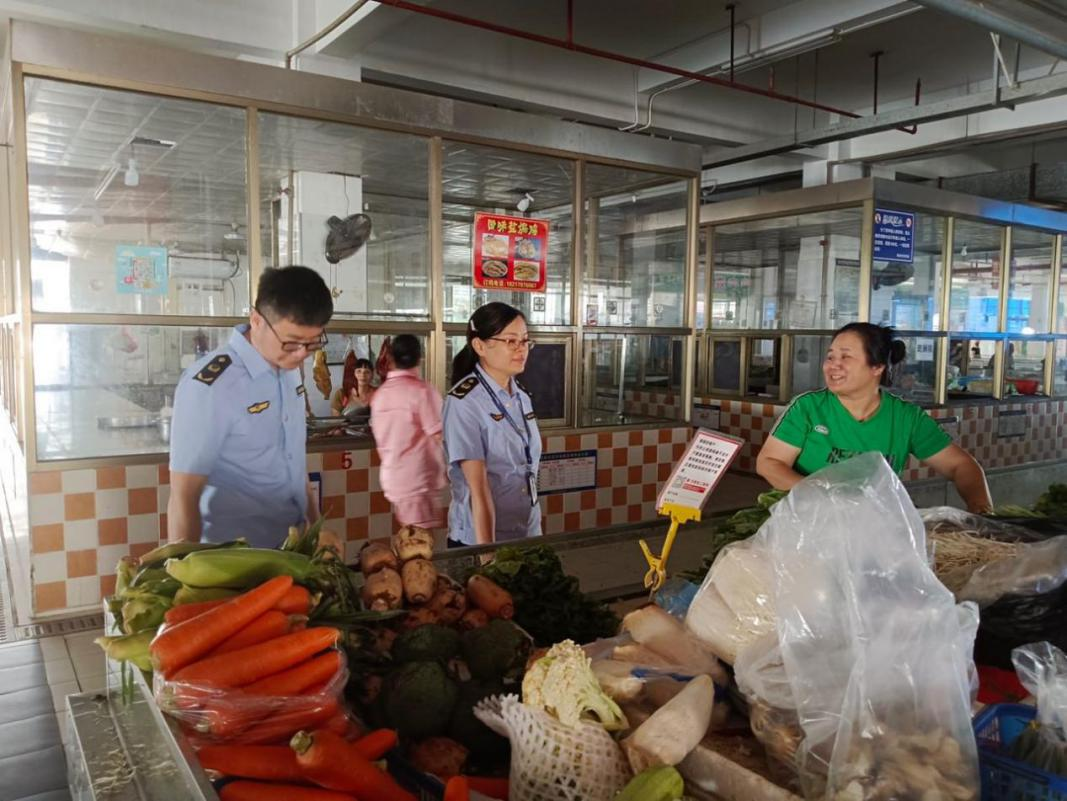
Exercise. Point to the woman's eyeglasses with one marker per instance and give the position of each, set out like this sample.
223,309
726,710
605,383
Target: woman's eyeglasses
514,343
291,346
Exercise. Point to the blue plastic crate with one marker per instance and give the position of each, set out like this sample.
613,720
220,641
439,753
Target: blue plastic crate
1004,778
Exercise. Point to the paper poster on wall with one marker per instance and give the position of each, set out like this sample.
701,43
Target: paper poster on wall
567,471
706,415
141,270
510,253
700,469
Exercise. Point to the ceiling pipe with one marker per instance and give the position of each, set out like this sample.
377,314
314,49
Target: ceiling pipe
611,56
999,23
337,23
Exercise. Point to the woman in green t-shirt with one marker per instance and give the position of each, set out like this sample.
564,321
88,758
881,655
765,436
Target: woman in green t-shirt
853,415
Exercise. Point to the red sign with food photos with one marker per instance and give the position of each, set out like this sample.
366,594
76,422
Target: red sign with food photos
509,253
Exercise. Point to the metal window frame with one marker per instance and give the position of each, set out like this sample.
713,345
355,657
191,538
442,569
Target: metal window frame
133,65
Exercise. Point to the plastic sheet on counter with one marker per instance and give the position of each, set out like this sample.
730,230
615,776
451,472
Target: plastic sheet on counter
215,715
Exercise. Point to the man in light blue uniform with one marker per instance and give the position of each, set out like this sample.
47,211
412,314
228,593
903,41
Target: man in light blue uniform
497,432
238,438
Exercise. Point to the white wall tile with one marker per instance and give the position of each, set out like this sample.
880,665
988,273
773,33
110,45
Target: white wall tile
142,475
46,509
635,454
143,528
588,519
107,557
620,476
162,497
572,502
357,504
603,497
79,535
84,591
373,482
618,515
650,473
381,525
664,452
79,481
51,566
111,503
620,439
588,441
333,482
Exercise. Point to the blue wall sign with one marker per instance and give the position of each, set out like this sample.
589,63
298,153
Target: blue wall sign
894,236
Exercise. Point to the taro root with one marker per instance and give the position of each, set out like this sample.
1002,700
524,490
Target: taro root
383,590
420,580
375,556
412,542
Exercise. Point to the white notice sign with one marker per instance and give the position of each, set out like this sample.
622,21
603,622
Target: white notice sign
569,471
702,465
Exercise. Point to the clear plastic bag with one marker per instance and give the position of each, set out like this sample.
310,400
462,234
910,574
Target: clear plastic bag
551,761
214,715
876,652
1042,669
1036,569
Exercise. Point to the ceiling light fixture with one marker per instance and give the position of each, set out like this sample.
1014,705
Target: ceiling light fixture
132,177
525,202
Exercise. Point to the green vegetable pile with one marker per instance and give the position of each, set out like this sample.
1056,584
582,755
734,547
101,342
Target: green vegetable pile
741,525
548,603
1053,501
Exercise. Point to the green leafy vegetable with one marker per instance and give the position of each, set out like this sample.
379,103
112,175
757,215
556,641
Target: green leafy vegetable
1053,501
548,603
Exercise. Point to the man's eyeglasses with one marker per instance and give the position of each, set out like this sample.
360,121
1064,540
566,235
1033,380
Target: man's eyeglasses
290,346
514,343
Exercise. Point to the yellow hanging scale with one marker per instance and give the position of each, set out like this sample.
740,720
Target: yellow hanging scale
657,565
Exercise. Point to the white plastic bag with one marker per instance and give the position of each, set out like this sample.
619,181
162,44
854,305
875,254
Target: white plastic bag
877,654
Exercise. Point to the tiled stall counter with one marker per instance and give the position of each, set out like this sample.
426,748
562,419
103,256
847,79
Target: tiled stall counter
83,521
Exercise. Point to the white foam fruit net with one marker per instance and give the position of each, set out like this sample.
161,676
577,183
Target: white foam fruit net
553,762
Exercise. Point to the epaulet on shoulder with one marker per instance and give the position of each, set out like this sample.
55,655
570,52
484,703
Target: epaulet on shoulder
211,371
463,388
521,386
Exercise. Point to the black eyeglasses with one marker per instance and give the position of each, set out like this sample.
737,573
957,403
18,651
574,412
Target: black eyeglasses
290,346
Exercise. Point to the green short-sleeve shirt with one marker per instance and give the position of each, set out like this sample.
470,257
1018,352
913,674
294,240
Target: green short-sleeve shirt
827,433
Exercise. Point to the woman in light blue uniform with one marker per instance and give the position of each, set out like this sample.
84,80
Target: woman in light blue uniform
490,431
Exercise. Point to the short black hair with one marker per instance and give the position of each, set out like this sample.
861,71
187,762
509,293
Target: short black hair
294,293
407,350
363,363
879,344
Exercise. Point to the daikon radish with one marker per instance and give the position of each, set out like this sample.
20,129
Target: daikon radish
658,631
674,729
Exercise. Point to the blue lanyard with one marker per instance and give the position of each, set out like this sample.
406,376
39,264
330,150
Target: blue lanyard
531,479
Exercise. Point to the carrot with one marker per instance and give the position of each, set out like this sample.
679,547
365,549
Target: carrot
281,726
297,679
190,640
246,665
296,601
490,597
339,723
268,626
262,791
376,744
276,762
329,761
491,786
179,614
457,789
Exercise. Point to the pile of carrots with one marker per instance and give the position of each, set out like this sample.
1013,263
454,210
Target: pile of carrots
316,766
246,669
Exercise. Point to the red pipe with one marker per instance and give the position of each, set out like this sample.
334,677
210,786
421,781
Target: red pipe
605,54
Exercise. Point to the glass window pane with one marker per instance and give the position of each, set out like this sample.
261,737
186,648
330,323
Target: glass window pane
796,272
635,266
702,280
545,375
1024,367
906,296
98,389
975,293
619,386
764,368
808,355
1029,281
914,378
726,365
316,175
476,178
1061,299
1059,374
137,202
970,371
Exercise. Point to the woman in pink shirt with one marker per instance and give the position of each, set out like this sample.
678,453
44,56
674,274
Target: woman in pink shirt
406,421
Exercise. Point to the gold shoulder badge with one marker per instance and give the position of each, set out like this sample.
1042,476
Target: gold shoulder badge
463,388
213,369
256,408
300,390
496,416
